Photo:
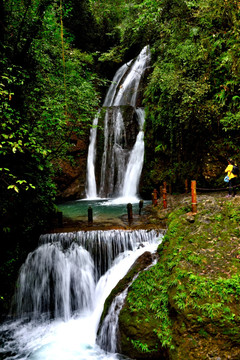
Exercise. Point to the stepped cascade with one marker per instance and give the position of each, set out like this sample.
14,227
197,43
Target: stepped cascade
123,149
61,290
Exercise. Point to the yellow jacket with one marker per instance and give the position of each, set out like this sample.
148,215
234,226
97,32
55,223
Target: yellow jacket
229,172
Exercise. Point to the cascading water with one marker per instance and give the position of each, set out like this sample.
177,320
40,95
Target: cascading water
135,163
60,294
91,188
108,334
123,151
107,337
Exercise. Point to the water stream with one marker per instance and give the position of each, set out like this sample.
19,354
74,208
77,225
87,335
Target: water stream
91,188
61,291
123,150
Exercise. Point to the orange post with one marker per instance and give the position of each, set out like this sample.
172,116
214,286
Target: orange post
164,195
155,197
194,196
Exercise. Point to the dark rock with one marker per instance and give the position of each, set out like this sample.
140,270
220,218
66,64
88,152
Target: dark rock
140,264
71,175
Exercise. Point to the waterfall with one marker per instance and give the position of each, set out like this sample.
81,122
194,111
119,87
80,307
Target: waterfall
115,84
103,246
91,188
60,297
55,282
107,337
135,163
123,148
109,330
128,90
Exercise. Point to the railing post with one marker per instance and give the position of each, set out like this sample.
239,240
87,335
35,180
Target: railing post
129,210
90,215
155,197
140,206
164,195
194,196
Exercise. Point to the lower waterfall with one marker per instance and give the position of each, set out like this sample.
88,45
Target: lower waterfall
61,291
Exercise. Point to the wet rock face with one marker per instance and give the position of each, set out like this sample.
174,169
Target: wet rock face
71,175
130,328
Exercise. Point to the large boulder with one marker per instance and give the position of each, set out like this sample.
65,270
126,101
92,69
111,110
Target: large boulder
187,305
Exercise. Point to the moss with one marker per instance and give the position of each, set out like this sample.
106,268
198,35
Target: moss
141,263
189,301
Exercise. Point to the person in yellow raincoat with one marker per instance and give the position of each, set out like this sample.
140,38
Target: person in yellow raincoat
232,179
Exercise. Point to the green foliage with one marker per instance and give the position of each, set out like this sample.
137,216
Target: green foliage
152,285
196,278
192,93
44,104
139,346
49,93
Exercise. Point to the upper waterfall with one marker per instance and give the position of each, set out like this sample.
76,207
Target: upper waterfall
121,160
128,90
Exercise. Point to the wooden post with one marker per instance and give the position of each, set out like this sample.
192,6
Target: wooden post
140,206
90,215
164,195
155,197
186,186
129,210
194,196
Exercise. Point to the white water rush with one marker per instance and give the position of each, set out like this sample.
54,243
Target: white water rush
91,188
122,155
61,291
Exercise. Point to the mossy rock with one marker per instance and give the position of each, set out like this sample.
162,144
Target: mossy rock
133,327
187,305
140,264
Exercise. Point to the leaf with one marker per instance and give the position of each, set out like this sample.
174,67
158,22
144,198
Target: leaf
14,187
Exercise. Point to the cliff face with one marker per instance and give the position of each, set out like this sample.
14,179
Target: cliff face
71,174
187,305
